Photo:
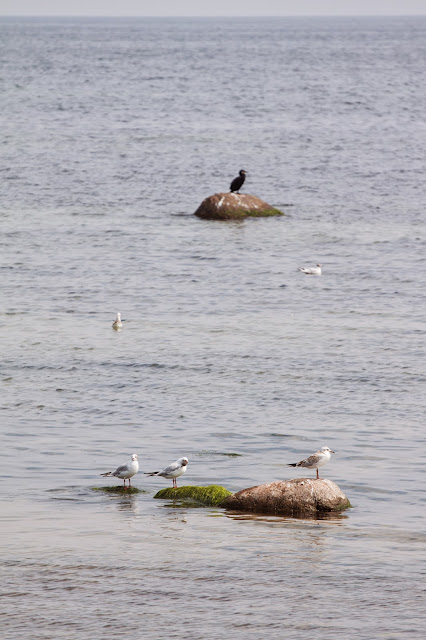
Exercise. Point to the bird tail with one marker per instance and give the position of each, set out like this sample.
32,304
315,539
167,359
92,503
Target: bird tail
108,473
293,464
153,473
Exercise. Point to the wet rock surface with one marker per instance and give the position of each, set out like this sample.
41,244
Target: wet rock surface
210,496
297,497
234,206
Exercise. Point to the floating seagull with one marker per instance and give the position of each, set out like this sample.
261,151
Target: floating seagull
117,324
173,471
125,471
238,182
312,271
316,460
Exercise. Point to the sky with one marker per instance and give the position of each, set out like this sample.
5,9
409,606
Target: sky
211,7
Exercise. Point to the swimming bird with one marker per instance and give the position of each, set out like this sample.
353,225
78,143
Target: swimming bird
312,271
117,324
238,182
316,460
173,471
125,471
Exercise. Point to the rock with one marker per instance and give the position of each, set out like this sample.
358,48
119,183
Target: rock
210,496
119,489
234,206
297,497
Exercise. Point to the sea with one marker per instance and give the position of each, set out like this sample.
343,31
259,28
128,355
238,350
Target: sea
113,132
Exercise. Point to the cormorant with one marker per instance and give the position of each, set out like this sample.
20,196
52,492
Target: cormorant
238,182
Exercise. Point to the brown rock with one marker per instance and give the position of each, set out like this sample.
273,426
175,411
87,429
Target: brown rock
297,497
234,206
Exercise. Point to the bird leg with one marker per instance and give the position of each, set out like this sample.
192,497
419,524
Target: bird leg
124,483
174,483
317,474
130,485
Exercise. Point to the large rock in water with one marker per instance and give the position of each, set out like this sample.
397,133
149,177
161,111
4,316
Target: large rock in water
234,206
297,497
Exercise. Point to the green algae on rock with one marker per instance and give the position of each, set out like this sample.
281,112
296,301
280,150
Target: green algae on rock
210,496
235,206
119,489
220,453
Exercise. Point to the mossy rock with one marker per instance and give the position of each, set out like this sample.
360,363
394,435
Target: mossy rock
119,489
210,496
235,206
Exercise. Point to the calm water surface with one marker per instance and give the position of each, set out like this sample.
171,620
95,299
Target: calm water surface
113,131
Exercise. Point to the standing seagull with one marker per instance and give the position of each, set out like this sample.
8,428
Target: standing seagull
316,460
312,271
125,471
117,324
238,182
173,471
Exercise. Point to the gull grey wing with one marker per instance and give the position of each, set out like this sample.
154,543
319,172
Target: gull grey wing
123,467
313,459
172,467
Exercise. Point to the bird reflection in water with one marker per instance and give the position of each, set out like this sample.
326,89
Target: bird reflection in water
128,502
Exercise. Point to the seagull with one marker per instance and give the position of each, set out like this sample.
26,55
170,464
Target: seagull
173,471
238,182
312,271
316,460
117,324
125,471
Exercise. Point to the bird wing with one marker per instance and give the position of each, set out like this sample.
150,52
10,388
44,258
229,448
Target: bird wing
121,468
172,467
313,459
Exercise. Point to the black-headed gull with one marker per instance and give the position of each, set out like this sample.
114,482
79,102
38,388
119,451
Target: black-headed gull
312,271
316,460
125,471
117,324
173,471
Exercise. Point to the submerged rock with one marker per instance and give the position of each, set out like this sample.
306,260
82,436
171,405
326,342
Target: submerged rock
119,489
212,495
297,497
234,206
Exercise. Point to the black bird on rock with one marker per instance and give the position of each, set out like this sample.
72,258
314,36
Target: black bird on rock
238,182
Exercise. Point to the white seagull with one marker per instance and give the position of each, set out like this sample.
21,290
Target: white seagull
125,471
312,271
117,324
316,460
173,471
